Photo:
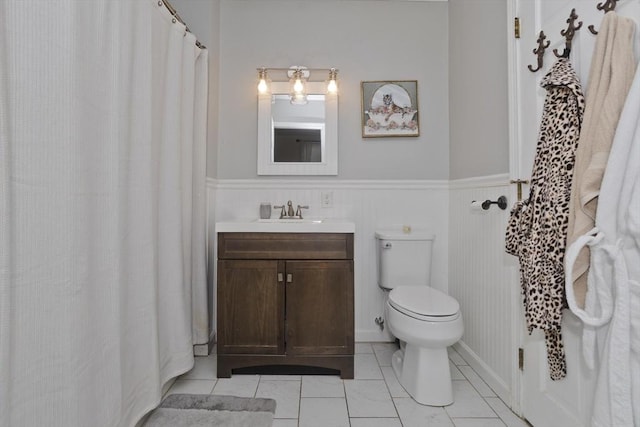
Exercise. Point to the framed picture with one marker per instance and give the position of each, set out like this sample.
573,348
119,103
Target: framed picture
390,108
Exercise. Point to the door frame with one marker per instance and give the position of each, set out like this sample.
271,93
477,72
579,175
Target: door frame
515,172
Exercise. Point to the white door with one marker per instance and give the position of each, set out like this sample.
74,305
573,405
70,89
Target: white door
546,403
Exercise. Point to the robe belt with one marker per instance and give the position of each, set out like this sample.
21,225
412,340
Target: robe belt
612,308
605,298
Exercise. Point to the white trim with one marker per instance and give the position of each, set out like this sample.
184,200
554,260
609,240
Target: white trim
252,184
499,180
513,85
329,164
201,350
205,349
485,372
503,390
395,1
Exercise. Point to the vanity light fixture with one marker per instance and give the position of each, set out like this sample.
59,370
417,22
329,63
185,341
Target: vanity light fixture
298,77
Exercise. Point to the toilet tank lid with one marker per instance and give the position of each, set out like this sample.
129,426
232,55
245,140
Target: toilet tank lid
393,234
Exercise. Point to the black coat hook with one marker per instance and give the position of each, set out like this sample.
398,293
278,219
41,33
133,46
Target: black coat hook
568,34
607,6
539,51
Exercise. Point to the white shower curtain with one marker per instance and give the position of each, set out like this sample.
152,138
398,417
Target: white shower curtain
102,240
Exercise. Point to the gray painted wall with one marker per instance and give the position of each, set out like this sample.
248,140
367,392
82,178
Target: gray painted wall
366,40
479,133
457,50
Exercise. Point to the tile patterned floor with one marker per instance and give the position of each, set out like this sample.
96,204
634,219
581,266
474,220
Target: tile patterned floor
374,398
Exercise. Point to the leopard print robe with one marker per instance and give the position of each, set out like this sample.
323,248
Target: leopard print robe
537,228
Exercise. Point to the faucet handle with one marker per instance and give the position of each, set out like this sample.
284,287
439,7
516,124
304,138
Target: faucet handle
283,212
299,211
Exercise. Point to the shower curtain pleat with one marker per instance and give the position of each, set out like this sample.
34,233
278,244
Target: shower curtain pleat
6,236
102,189
199,297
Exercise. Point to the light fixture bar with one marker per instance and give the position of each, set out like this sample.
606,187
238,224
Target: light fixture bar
297,76
308,70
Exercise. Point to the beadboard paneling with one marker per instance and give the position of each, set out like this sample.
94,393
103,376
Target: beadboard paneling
369,204
469,259
483,278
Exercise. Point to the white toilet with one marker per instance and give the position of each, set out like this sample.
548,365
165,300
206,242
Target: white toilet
425,320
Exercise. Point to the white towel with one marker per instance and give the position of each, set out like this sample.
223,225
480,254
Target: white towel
613,297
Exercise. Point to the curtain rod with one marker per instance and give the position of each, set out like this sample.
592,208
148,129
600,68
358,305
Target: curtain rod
174,12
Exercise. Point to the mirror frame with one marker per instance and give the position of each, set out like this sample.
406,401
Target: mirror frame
329,164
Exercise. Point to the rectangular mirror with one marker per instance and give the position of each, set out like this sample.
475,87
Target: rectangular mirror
297,130
297,139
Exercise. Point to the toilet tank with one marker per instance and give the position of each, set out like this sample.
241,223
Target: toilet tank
403,259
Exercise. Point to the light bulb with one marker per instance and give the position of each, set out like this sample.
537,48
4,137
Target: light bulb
262,86
298,85
332,87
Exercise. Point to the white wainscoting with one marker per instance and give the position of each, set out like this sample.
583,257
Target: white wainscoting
483,278
369,204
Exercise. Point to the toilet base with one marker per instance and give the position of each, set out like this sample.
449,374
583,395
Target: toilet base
425,374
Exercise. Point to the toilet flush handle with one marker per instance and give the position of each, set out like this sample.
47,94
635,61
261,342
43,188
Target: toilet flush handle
387,245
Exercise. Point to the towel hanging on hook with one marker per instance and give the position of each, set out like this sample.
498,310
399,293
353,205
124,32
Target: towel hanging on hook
568,34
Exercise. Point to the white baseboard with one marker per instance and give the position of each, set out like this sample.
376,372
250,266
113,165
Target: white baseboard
205,348
201,350
485,372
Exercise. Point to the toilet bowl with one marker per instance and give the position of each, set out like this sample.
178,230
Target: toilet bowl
422,362
424,319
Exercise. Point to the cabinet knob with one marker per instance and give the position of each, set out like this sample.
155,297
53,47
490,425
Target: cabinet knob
289,278
280,278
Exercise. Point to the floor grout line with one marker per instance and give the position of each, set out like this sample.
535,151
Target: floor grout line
397,417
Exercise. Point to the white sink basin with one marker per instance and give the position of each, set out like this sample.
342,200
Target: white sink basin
276,225
292,221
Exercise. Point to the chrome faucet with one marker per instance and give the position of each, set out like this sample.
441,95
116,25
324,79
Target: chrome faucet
287,211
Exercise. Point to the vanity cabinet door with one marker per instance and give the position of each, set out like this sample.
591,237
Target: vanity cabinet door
319,315
250,307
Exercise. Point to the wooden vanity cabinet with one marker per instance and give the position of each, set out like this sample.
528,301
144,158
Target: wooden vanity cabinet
285,299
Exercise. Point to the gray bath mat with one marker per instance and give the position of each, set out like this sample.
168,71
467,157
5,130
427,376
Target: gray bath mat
205,410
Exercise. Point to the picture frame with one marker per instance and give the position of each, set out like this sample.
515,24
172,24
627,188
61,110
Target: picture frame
389,108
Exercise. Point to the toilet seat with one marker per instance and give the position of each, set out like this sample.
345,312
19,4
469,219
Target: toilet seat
424,303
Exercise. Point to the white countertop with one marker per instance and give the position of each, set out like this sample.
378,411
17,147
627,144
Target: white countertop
311,225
